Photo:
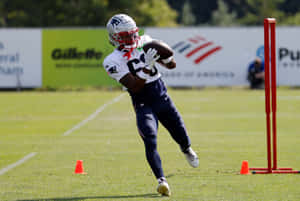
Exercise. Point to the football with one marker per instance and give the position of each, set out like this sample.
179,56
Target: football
163,49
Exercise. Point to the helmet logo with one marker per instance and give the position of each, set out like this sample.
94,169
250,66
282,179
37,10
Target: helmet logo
115,22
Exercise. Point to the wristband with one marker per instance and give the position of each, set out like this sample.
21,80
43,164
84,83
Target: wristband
142,75
148,67
167,60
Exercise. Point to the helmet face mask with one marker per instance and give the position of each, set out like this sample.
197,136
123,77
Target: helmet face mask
129,38
123,31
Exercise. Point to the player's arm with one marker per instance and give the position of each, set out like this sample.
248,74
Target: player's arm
133,83
168,63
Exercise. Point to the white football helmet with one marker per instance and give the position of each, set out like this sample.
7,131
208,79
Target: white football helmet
122,31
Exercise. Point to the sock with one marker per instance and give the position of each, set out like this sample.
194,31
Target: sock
161,179
186,150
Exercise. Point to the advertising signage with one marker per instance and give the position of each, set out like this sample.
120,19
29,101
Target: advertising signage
73,57
20,58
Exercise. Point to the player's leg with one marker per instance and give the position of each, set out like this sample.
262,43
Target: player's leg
147,125
172,121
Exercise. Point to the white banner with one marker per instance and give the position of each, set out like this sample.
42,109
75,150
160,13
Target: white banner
220,56
288,56
20,58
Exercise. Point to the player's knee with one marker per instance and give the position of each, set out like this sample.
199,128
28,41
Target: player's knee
147,130
150,142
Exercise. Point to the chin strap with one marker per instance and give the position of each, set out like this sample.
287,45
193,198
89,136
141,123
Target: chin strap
129,49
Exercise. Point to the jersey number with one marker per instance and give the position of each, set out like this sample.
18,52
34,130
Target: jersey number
133,62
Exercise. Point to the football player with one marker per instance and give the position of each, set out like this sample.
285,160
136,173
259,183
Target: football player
135,69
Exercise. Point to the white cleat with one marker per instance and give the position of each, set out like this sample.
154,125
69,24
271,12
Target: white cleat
191,157
163,188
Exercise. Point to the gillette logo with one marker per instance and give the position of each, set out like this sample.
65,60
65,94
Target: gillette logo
197,48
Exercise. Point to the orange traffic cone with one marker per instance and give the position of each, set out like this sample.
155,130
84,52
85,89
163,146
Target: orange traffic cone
79,168
245,168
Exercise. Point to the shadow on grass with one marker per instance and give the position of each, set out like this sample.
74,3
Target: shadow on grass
170,175
150,195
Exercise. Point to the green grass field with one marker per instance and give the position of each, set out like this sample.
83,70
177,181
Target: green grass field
226,126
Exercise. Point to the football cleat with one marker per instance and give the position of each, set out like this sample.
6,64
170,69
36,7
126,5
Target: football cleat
163,188
191,157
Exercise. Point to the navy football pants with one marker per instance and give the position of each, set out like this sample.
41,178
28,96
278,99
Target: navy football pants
147,116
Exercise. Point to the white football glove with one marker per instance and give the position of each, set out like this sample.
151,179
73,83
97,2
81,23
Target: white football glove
150,58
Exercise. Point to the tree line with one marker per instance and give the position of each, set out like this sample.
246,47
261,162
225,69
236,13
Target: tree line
236,12
162,13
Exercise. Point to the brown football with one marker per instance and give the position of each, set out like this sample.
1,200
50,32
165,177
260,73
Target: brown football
163,49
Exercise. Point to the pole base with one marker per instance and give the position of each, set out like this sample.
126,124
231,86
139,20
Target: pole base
271,169
274,171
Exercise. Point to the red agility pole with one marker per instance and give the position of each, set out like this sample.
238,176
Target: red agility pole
270,101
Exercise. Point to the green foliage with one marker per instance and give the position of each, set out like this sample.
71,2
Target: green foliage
162,13
222,16
260,9
245,12
52,13
155,13
252,12
188,17
56,13
291,20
